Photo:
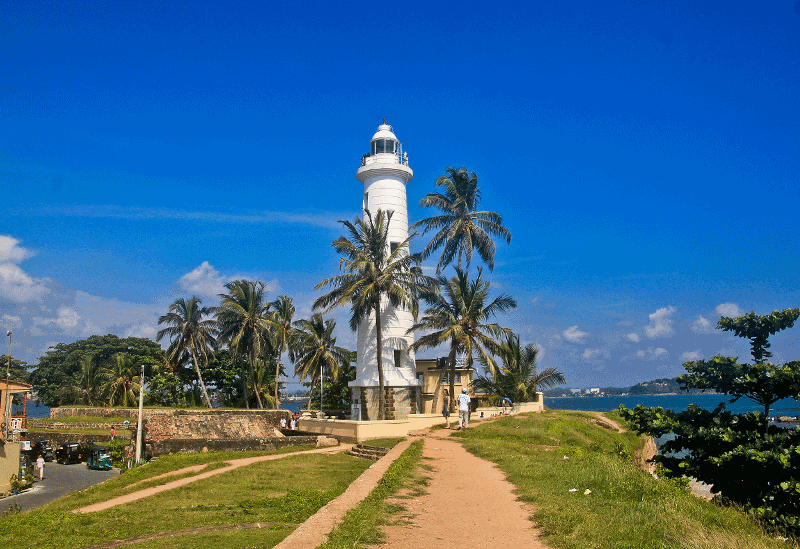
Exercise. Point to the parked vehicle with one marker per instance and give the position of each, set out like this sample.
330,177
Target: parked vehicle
71,452
99,458
43,448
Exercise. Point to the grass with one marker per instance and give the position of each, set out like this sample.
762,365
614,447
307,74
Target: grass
121,433
545,455
281,493
361,525
384,442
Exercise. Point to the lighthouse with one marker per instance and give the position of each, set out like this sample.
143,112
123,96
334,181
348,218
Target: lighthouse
384,172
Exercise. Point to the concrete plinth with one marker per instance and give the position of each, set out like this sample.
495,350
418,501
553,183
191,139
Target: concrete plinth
400,402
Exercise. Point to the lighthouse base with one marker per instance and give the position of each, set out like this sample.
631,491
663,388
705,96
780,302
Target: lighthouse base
400,401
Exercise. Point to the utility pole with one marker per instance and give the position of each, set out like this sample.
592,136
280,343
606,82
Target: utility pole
7,410
139,423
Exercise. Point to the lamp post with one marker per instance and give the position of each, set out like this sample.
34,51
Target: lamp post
139,423
7,410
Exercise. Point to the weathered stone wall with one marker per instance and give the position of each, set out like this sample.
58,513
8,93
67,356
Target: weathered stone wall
400,402
57,438
183,445
133,413
59,425
215,425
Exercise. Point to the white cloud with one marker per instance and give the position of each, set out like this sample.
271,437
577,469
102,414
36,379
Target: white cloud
574,335
634,337
205,280
588,354
692,355
660,323
702,325
12,321
730,310
15,284
652,354
10,252
67,318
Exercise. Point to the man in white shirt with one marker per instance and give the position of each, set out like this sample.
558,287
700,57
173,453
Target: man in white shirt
463,409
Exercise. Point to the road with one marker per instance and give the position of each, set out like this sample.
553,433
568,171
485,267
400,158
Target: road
59,480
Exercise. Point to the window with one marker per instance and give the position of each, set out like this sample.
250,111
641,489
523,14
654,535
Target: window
421,377
446,378
393,246
366,201
398,358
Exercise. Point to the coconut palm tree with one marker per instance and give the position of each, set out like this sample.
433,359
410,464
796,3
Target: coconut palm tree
518,378
458,316
121,380
83,387
190,336
374,277
245,324
460,229
282,313
315,350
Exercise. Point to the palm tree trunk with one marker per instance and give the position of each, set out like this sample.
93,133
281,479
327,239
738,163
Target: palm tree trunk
452,361
381,381
277,373
308,406
244,389
255,387
200,378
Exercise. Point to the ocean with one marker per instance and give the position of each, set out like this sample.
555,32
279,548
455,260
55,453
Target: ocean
676,403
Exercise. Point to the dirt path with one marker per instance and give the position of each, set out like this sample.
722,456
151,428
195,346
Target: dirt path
468,501
234,464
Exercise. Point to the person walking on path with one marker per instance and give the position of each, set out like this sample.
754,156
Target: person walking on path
113,433
463,409
446,407
40,467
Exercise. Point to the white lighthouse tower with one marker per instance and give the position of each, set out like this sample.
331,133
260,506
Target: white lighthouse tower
384,173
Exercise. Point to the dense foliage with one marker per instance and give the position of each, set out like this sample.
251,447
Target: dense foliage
742,457
62,364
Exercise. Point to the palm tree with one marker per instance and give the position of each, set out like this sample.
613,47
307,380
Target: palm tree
121,387
458,315
83,387
374,277
460,229
315,350
282,313
190,335
245,323
518,379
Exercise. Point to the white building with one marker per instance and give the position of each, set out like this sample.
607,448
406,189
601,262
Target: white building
385,173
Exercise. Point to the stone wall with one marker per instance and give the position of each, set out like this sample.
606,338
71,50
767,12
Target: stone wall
183,445
215,424
132,413
61,426
400,402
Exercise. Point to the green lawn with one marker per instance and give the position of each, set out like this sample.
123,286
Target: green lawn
546,455
282,492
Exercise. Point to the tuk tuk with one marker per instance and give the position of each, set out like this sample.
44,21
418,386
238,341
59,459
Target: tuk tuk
99,458
70,452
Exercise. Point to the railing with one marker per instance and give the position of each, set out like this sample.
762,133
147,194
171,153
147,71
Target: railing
399,158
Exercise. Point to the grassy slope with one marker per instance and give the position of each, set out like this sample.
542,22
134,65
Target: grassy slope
283,492
626,508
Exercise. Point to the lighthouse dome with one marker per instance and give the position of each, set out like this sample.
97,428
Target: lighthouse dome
384,140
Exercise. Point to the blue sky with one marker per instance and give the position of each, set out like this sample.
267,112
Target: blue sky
643,154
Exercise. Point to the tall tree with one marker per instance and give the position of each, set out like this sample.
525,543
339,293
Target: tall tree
315,350
458,316
122,379
84,386
282,314
190,336
460,229
374,277
245,323
64,360
518,379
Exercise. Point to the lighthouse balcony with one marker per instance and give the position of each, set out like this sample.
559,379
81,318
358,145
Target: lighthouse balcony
385,158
